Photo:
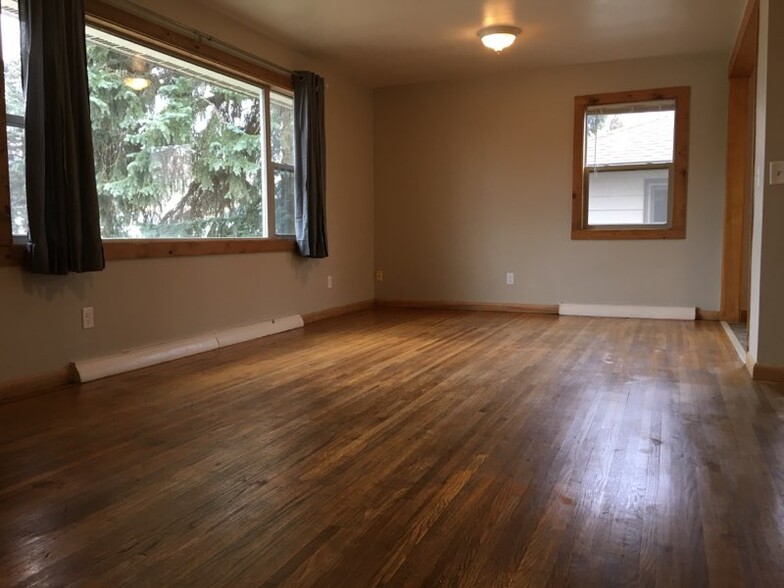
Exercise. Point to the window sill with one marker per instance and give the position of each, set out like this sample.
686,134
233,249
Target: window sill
116,249
627,234
119,249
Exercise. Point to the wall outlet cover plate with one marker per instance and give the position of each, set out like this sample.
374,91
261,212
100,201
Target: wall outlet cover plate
776,172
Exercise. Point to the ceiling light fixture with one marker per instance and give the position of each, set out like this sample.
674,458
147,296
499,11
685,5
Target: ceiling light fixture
498,37
137,80
136,83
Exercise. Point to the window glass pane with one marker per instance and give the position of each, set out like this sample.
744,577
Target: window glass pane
16,177
282,128
284,201
631,197
656,201
14,99
629,138
177,147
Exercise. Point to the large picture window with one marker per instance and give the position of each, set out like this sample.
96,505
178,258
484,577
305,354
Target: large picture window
14,115
630,165
182,151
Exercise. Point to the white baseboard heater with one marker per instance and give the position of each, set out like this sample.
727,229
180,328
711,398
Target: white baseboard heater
683,313
93,369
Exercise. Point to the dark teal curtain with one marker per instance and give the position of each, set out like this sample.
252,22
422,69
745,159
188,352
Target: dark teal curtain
310,166
62,201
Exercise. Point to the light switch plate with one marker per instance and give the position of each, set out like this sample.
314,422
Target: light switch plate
776,172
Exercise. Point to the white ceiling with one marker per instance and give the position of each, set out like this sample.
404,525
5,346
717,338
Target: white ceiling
387,42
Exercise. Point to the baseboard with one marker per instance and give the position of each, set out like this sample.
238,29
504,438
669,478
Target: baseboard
88,370
640,312
33,385
475,306
708,315
134,359
335,311
736,344
19,388
750,363
764,373
768,373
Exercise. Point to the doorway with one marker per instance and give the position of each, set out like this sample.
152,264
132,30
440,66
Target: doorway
739,203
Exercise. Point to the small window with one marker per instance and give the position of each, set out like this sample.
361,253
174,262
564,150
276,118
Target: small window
630,165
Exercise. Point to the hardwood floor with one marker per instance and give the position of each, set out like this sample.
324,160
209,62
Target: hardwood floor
407,448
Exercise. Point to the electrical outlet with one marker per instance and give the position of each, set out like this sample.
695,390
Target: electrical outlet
88,317
776,172
329,281
509,278
379,275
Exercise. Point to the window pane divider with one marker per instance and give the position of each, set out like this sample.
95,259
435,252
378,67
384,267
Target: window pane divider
14,120
610,167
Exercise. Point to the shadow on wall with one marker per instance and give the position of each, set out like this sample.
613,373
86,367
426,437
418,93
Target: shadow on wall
304,268
54,287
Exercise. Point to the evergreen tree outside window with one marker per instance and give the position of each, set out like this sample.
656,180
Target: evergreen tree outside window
15,110
180,151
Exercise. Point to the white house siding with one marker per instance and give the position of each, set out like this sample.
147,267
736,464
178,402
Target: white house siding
618,198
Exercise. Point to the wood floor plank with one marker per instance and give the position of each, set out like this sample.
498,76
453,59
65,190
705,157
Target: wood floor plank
407,448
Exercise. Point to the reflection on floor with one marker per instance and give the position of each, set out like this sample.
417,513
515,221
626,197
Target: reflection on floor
407,448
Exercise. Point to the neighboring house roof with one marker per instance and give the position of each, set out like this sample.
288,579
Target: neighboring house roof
643,137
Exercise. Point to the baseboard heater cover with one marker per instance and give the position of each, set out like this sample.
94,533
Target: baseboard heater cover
134,359
684,313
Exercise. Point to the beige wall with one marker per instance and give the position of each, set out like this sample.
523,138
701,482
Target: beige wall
766,333
473,179
147,301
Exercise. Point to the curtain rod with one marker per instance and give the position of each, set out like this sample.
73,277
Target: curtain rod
196,34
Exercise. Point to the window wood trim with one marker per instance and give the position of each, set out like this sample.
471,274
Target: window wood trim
6,228
136,28
121,249
116,249
155,36
677,226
